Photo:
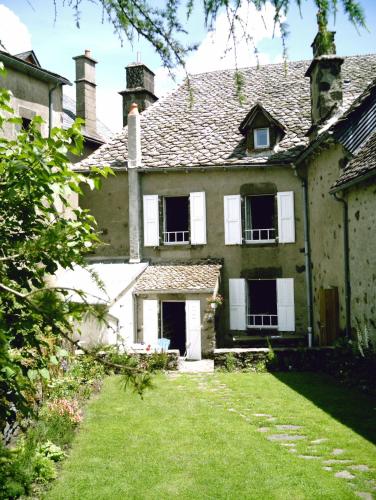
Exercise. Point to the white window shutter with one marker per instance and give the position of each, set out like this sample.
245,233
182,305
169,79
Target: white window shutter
286,219
285,305
193,329
197,204
151,220
233,220
150,321
238,304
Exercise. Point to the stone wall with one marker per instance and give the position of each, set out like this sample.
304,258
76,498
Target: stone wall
362,244
343,364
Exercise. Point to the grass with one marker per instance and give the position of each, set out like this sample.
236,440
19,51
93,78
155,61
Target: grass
196,437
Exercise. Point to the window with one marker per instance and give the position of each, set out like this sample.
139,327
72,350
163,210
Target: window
262,304
25,123
176,220
183,220
261,138
260,219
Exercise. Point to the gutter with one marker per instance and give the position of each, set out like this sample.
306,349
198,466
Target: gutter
346,263
307,259
50,107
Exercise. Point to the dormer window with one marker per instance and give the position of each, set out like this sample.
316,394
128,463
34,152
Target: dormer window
261,138
261,130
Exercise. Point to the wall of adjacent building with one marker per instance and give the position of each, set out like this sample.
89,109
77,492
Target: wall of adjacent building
30,97
326,230
362,243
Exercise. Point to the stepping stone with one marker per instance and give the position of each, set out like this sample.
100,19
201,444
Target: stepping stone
319,441
308,457
344,474
336,461
362,468
338,451
288,444
328,468
262,415
263,429
364,495
232,409
288,427
292,450
285,437
271,419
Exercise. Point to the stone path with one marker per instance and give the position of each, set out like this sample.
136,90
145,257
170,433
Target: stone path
292,437
202,366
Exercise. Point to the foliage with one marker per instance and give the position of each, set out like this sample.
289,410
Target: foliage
162,26
366,341
41,230
52,451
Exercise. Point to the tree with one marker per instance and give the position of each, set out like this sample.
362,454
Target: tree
162,27
36,239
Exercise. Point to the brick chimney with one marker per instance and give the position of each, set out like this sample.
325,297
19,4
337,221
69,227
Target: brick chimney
140,88
134,189
325,75
86,102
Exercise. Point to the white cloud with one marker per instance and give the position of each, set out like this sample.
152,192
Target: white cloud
216,51
14,35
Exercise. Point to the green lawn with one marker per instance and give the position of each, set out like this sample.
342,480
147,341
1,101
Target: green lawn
197,437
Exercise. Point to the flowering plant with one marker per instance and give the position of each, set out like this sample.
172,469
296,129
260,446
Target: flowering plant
66,408
217,300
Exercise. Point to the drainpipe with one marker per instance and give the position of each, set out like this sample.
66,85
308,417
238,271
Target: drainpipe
50,110
307,259
346,262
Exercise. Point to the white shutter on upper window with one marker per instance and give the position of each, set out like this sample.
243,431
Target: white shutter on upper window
285,304
197,205
286,219
151,220
238,304
233,219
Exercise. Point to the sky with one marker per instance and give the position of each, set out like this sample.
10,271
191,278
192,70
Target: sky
26,24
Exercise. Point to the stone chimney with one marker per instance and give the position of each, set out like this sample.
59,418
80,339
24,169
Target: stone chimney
86,102
325,75
140,88
134,191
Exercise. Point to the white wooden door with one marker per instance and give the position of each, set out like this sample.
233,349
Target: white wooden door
193,329
150,321
285,304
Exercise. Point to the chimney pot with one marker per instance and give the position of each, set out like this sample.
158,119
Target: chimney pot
86,91
87,52
133,110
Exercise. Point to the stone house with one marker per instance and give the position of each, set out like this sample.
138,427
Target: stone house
37,91
238,198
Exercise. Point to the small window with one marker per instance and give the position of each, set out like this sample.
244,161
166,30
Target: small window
261,138
176,220
26,122
262,304
260,219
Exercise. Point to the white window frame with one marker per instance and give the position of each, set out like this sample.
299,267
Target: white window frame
263,146
247,229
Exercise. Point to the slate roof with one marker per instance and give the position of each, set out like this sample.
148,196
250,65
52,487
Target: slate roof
175,277
364,162
177,133
69,115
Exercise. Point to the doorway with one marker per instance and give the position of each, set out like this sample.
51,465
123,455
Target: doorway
174,325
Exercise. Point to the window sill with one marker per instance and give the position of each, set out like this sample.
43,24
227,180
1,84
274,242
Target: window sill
261,243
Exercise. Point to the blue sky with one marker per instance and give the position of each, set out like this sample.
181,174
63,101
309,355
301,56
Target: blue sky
56,43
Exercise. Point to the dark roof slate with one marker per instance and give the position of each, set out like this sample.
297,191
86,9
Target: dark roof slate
364,162
69,115
176,133
175,277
